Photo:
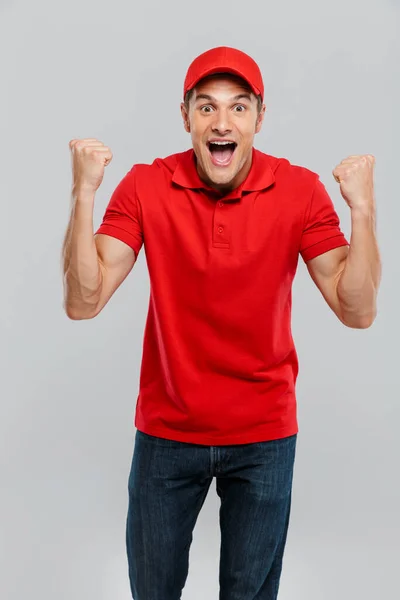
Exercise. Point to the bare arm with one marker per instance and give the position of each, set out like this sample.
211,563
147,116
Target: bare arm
325,271
94,266
349,278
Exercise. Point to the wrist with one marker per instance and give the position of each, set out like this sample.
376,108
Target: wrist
83,194
363,219
366,212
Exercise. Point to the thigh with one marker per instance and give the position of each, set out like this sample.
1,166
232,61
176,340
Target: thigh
167,486
255,489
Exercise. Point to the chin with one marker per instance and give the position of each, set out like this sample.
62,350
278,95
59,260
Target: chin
225,176
223,179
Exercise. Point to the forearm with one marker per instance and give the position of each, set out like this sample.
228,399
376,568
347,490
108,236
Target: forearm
82,273
359,281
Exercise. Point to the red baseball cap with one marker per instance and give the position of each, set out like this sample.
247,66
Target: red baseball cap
225,60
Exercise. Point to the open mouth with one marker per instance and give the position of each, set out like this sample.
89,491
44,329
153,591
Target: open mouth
221,153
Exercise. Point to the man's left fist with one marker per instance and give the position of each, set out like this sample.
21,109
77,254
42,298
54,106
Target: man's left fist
355,175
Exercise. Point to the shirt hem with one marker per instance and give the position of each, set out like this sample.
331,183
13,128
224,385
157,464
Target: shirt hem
324,246
265,435
120,234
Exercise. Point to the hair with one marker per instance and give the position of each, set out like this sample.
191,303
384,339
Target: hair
189,94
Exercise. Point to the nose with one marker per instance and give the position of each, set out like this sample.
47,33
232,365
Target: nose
222,122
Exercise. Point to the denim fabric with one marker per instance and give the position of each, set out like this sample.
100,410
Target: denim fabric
168,484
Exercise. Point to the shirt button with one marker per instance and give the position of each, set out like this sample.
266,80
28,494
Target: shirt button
220,203
220,229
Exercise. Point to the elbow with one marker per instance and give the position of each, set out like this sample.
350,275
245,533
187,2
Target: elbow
359,322
77,310
360,314
75,315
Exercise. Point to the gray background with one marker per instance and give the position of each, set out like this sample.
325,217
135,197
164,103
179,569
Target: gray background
114,70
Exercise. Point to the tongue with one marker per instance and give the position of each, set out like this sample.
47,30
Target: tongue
222,155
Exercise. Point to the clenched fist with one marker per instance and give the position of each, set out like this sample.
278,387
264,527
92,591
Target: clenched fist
355,175
89,158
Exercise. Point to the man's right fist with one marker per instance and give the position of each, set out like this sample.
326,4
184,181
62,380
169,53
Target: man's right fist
89,158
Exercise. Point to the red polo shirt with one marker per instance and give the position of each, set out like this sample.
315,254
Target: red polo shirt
219,365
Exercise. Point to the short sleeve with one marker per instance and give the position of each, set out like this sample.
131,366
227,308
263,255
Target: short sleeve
321,231
122,218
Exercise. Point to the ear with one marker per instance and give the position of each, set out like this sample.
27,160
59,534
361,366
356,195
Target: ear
260,118
185,117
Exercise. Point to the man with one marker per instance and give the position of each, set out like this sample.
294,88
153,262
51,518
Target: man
223,225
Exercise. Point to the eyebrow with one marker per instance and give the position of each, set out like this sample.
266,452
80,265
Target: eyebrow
212,99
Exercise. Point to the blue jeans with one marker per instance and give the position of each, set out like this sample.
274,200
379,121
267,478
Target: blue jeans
167,486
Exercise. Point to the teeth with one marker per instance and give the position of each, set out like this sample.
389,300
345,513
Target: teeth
222,143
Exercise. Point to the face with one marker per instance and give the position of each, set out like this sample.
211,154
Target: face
222,120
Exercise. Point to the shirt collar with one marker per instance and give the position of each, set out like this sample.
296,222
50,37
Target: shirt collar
260,176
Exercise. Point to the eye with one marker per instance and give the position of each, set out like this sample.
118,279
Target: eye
240,106
207,106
